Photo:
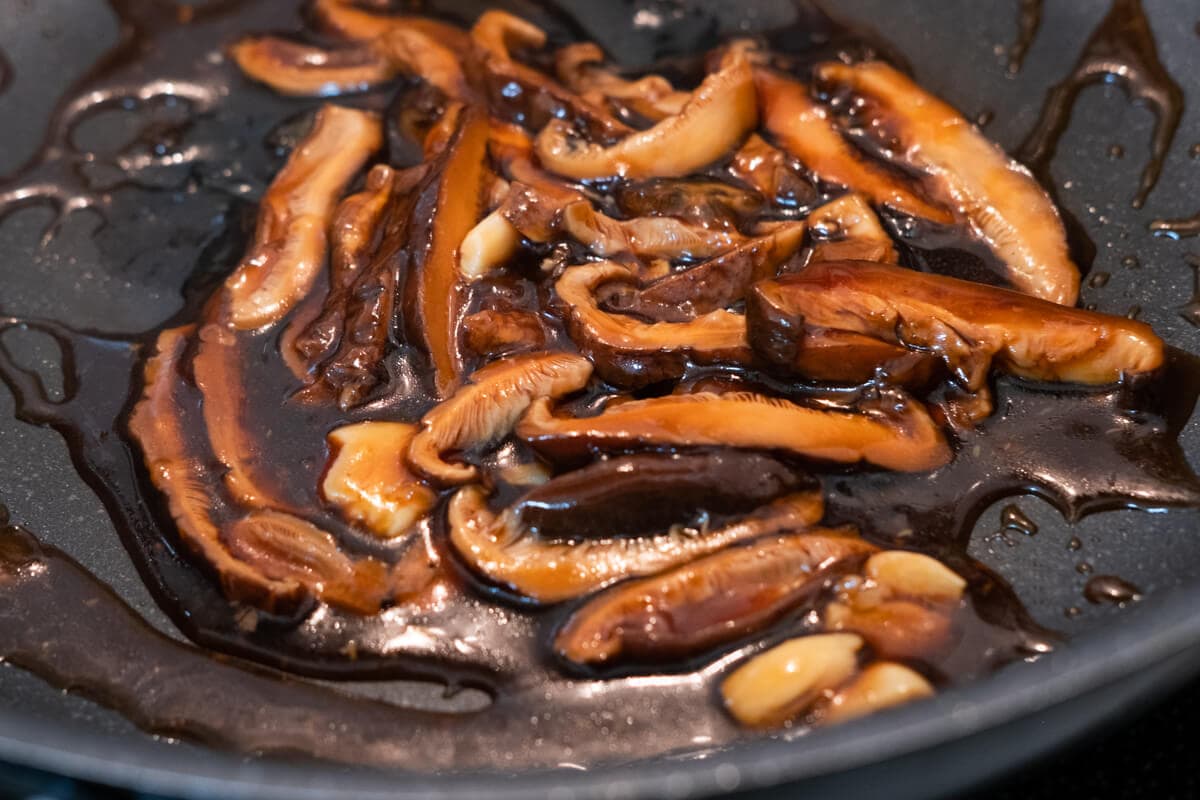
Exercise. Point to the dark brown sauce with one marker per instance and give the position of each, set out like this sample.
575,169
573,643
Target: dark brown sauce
1029,21
1013,518
86,639
1120,50
1110,589
1176,228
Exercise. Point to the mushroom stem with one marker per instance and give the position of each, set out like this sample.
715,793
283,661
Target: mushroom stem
486,408
290,241
712,123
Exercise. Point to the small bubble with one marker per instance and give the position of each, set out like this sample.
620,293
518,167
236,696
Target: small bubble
1099,280
1083,568
1130,262
1075,544
1116,151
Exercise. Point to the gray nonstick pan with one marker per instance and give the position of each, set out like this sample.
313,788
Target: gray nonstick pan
123,207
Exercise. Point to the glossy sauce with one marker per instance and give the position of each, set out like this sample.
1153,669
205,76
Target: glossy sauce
473,635
1120,50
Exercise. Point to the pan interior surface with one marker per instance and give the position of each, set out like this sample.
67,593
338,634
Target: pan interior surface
129,274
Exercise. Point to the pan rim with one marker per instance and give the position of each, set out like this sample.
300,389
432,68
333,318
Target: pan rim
1095,660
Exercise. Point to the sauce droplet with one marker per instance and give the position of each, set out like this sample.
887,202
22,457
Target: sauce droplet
1120,50
1130,262
1014,519
1116,151
1083,568
1099,280
1075,543
1111,589
1176,228
1029,20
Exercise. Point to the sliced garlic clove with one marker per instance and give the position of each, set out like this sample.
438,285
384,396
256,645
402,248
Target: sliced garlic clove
915,575
881,685
368,481
783,681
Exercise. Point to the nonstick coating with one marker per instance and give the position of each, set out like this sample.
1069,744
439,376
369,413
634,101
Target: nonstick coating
1116,660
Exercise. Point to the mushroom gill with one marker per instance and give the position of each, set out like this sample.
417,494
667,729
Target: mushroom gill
1002,200
970,326
900,437
485,409
290,240
182,474
301,69
284,547
711,124
709,601
804,128
648,237
629,352
501,549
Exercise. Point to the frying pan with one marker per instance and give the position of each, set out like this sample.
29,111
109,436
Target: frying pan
126,276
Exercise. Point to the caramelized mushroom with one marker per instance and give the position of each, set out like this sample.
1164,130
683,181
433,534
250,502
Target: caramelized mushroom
526,94
491,333
286,548
502,550
447,209
290,241
300,69
498,32
652,237
712,600
698,201
651,492
768,169
627,351
368,482
534,211
902,437
426,56
485,409
581,67
968,325
342,18
999,196
353,233
847,229
158,427
712,123
720,281
804,128
364,310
